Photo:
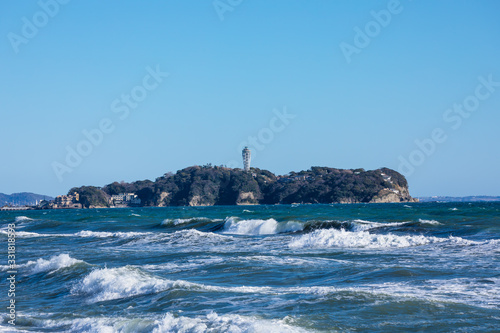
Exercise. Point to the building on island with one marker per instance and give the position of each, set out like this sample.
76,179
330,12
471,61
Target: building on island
67,201
246,158
125,199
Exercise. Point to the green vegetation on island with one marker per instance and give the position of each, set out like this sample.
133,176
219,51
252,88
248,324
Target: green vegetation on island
216,185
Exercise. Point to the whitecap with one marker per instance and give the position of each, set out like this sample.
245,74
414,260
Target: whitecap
183,266
54,264
214,322
483,293
260,227
188,220
23,219
113,283
431,222
26,234
181,239
362,225
105,234
170,322
331,238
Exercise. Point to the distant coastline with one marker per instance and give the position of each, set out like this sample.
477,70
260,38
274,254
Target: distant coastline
473,198
22,199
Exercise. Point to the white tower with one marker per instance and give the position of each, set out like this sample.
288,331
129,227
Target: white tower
246,158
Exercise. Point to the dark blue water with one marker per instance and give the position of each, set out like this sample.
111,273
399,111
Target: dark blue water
419,267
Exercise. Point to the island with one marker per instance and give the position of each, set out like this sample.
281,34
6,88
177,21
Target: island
218,185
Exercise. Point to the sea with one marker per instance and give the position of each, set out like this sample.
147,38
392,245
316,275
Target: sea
406,267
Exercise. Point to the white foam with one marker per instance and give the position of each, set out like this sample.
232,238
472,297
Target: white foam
183,266
214,322
100,234
105,234
183,240
23,218
83,233
362,225
114,283
294,261
259,227
8,329
211,322
193,236
52,265
472,291
328,238
184,221
26,234
431,222
93,325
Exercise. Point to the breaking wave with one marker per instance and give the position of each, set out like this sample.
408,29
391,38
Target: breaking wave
113,283
26,234
260,227
23,219
105,234
170,322
222,323
185,221
331,238
53,264
362,225
431,222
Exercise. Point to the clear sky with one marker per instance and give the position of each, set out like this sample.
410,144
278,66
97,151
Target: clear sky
344,84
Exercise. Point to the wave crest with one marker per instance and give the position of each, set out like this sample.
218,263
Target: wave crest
431,222
260,227
214,322
326,238
185,221
211,322
53,264
23,218
113,283
106,234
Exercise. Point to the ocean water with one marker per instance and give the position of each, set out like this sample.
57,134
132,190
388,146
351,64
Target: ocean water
415,267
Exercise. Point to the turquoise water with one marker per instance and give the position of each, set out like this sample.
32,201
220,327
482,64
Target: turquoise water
417,267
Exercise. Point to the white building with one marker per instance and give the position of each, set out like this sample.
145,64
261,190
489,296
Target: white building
125,198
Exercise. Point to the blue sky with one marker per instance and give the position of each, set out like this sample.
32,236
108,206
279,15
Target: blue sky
233,67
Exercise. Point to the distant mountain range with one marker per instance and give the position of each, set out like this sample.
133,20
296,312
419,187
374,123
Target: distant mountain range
459,199
22,199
